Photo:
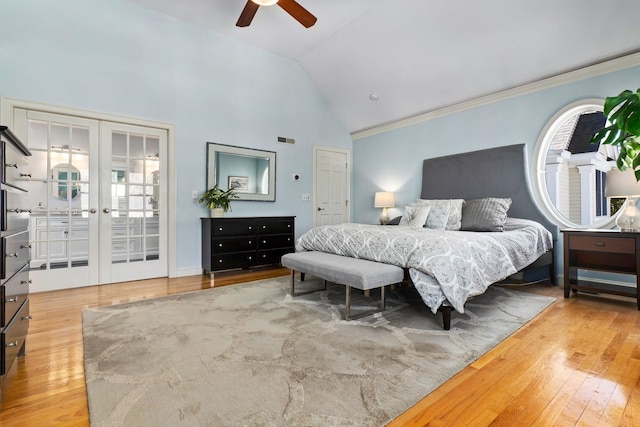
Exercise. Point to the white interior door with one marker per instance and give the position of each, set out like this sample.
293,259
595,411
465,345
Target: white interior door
133,205
331,186
63,194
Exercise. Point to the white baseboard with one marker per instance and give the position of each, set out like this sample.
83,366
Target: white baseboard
192,271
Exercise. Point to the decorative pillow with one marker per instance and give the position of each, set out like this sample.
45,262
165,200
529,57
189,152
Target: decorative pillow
488,214
415,216
446,214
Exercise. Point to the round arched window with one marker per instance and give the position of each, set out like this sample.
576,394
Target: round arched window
569,173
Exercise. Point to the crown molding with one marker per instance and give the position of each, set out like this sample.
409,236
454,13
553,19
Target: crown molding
598,69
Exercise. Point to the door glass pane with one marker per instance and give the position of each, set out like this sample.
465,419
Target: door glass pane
58,194
135,193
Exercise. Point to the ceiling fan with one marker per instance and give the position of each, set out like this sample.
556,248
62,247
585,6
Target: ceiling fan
292,7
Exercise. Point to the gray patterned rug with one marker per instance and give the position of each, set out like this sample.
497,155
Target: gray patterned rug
250,355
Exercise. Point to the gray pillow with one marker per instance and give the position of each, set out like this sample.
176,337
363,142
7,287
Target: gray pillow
488,214
445,214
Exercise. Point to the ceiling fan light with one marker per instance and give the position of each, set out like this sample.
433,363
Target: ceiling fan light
265,2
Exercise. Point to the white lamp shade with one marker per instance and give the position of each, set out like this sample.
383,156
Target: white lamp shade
265,2
383,199
622,183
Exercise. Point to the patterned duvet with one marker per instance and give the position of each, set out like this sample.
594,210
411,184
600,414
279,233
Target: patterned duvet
445,266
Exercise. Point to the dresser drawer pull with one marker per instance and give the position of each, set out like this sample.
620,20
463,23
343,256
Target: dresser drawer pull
18,210
28,317
28,246
219,245
599,243
11,344
25,282
250,228
220,229
13,255
14,299
264,241
26,175
250,258
11,165
264,226
250,242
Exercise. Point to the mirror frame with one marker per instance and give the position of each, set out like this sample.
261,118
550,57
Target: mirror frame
539,157
213,148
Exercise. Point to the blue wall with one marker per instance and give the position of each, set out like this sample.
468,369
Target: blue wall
120,58
392,161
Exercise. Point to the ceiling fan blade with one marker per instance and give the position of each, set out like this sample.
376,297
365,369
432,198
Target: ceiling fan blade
298,12
247,14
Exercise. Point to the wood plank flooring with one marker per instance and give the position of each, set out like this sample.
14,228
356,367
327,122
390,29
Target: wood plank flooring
578,363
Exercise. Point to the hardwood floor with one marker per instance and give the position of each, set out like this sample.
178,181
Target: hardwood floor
578,363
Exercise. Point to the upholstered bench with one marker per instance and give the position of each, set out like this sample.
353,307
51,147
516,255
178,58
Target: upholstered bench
350,272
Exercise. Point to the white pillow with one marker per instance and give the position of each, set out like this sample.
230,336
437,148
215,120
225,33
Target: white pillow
446,214
415,216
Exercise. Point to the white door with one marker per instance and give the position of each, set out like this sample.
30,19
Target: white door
133,220
74,243
331,186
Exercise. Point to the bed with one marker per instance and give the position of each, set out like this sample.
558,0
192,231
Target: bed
448,266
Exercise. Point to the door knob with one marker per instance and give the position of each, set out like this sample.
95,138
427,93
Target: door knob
93,210
320,209
106,210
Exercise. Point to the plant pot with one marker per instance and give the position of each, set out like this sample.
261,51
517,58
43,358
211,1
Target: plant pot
217,213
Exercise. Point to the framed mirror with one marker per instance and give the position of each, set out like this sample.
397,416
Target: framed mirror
251,172
569,174
65,183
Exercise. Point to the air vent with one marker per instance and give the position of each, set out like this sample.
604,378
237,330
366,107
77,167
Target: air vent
286,140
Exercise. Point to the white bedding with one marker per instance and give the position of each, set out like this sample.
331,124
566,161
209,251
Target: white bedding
449,266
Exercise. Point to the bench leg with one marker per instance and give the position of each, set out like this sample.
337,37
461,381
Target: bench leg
347,304
293,281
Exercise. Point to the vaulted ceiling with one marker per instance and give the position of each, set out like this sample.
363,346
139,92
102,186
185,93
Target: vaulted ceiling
417,56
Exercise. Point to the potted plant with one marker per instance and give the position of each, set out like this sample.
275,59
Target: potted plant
623,116
218,200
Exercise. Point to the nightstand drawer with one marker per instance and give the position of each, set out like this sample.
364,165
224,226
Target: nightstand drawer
603,244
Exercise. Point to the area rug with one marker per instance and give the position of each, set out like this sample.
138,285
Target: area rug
250,355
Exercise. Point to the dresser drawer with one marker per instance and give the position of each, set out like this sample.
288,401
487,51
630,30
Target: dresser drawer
275,226
275,241
222,245
15,215
603,244
15,166
233,227
16,253
271,256
13,337
13,293
236,260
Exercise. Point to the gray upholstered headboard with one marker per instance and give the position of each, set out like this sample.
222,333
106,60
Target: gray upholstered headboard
496,172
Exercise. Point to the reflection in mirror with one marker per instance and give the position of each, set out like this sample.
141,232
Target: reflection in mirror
571,173
65,183
250,172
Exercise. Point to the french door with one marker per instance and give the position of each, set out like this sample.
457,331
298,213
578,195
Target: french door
97,194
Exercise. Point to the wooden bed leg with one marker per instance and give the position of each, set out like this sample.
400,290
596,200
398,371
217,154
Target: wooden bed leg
446,316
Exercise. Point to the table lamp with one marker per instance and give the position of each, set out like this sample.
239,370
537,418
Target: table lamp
384,200
624,184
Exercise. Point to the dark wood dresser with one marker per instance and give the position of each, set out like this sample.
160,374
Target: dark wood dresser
16,250
245,242
612,251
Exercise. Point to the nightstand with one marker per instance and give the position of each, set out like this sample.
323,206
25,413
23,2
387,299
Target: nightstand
601,250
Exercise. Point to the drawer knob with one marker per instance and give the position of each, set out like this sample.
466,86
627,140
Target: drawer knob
264,241
250,227
264,226
28,246
599,243
28,317
28,175
12,344
220,229
219,260
25,282
250,242
13,255
13,299
250,258
12,165
219,245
